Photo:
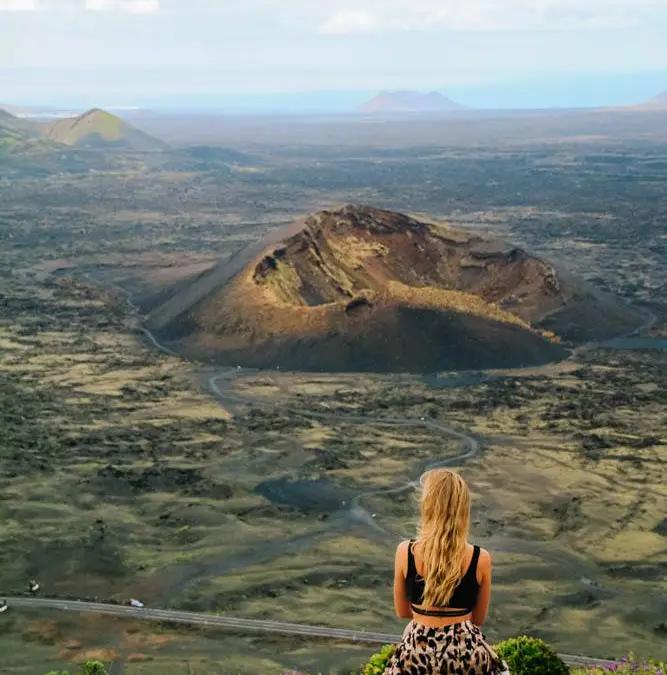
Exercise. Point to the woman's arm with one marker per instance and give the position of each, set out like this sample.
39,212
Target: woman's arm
401,602
481,608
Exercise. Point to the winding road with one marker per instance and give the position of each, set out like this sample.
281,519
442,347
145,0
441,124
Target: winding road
356,510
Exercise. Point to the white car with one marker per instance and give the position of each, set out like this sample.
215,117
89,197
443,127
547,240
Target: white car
136,603
3,606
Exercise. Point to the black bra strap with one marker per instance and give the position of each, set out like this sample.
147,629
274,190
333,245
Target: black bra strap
440,612
412,568
472,570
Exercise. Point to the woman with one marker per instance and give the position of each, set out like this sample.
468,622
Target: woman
443,584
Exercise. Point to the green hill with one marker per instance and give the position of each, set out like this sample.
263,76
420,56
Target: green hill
20,137
99,129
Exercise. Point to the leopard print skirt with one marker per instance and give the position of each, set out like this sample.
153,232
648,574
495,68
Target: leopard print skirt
458,649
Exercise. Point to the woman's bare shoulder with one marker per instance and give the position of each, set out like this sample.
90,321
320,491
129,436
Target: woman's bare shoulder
484,557
402,547
402,554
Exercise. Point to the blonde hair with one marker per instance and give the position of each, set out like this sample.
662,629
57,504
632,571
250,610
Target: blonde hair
443,533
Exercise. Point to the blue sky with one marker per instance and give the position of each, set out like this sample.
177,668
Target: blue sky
330,53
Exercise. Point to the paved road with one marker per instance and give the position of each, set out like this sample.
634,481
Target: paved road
234,623
200,619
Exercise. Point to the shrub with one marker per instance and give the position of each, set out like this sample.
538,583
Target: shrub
378,662
630,665
94,668
88,668
530,656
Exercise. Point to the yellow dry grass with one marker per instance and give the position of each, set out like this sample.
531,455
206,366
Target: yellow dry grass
356,251
437,298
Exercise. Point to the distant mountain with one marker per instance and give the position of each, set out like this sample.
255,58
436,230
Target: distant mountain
409,101
20,137
658,102
99,129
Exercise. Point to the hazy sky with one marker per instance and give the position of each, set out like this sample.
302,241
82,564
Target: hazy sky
531,52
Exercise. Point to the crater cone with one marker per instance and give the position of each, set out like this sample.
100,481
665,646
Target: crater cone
363,289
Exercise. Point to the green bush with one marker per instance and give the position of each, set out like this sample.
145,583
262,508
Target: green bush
88,668
530,656
378,662
524,656
630,665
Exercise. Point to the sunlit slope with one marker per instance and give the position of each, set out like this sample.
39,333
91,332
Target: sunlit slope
98,128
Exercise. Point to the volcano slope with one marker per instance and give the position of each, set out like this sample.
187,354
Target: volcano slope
362,289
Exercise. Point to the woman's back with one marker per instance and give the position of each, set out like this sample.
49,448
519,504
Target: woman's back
464,595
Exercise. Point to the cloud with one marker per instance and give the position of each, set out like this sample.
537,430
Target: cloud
367,16
131,6
349,21
17,5
484,15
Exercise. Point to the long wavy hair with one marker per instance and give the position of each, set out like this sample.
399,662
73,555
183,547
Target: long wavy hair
443,533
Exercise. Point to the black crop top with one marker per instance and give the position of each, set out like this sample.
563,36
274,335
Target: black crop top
464,596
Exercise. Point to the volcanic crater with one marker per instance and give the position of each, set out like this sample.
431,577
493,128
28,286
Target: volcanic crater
364,289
